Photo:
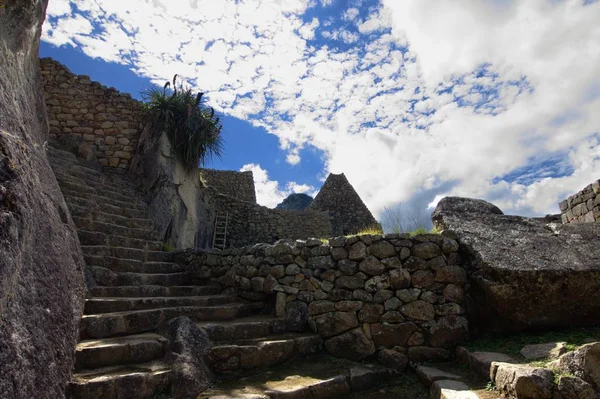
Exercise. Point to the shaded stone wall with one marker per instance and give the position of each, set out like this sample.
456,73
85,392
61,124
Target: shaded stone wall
401,297
250,223
349,214
583,207
109,121
238,185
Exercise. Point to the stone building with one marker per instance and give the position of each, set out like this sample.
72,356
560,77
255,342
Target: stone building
348,212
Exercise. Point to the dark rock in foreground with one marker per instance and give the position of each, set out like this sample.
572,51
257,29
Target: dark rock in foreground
524,273
41,266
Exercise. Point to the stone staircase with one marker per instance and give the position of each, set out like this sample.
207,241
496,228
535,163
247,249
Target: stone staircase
138,288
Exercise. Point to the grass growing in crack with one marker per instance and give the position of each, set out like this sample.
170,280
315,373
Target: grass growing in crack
511,344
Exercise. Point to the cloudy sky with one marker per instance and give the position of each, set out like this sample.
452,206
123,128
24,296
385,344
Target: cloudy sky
412,99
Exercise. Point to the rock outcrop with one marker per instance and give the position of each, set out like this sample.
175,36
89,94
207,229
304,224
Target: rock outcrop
296,202
524,273
179,205
41,266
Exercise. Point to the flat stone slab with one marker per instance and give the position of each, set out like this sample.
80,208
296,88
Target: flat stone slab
480,362
551,350
428,375
448,389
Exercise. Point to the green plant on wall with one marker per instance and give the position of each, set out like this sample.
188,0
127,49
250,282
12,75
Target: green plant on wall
191,126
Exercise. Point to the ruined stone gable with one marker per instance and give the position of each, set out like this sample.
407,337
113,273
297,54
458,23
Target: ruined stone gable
348,212
238,185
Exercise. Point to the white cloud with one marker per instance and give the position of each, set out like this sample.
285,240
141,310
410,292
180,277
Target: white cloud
351,14
268,192
407,108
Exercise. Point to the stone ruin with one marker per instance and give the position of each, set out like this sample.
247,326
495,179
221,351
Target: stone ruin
582,207
93,304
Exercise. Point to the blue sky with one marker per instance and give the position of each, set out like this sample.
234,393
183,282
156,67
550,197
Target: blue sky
412,99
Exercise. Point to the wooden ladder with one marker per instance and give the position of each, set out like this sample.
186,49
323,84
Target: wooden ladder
220,234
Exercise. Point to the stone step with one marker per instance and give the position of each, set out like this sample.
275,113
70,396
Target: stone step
122,265
82,206
144,291
96,215
314,376
127,253
244,328
84,188
113,229
130,349
52,151
107,277
125,323
98,183
103,200
261,352
98,238
121,304
136,381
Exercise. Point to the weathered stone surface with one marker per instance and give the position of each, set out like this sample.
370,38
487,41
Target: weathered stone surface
425,354
41,266
525,273
448,331
371,266
550,350
571,387
353,345
428,375
481,362
425,250
399,278
179,204
370,313
392,359
358,251
296,316
522,381
418,310
583,362
450,389
188,345
383,249
334,323
385,334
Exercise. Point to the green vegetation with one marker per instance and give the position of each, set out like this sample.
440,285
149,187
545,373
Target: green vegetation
167,247
422,230
192,127
511,344
371,230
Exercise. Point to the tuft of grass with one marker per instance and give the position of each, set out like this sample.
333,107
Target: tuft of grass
371,230
490,386
192,127
167,247
422,230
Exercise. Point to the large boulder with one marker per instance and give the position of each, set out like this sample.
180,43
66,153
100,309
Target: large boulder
188,346
583,363
41,266
180,206
524,273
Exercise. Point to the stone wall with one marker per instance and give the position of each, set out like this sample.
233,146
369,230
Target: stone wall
349,214
250,223
107,120
396,296
583,207
238,185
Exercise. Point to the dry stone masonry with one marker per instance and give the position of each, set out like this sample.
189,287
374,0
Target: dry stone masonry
250,223
583,207
349,214
396,296
238,185
106,120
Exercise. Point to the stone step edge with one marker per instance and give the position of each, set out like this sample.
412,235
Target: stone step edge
187,308
105,374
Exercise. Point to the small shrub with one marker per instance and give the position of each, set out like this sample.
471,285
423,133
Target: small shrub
192,127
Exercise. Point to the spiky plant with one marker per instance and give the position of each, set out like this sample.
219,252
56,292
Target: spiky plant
192,127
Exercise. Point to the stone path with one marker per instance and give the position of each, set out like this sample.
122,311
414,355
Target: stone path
138,288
